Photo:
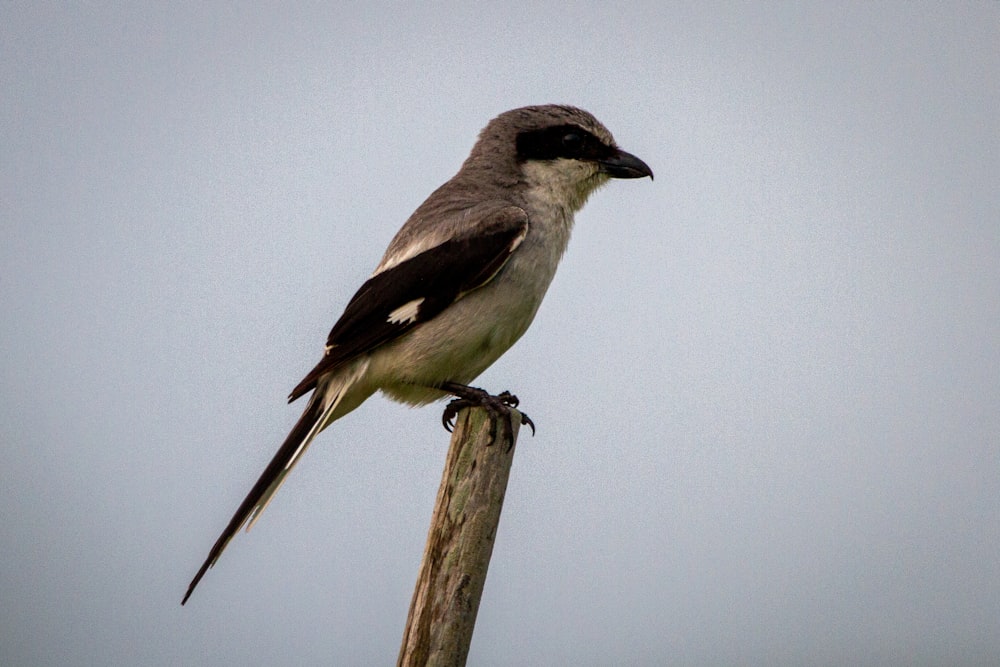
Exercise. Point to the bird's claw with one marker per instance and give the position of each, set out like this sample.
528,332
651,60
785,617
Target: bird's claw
526,421
497,407
451,412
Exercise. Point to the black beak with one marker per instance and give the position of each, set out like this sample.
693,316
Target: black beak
624,165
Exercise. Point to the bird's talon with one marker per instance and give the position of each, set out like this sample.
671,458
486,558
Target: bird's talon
451,412
526,421
508,399
497,407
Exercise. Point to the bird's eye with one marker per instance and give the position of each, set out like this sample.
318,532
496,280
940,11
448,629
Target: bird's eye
572,142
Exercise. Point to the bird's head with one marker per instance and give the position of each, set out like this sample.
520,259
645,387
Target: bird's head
560,153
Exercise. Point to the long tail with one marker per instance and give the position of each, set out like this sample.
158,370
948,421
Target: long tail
316,416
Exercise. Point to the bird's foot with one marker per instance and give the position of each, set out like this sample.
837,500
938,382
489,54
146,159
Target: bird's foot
497,407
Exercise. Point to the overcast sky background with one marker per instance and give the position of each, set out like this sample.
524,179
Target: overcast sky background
766,385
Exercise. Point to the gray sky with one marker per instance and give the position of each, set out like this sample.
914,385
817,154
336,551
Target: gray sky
766,385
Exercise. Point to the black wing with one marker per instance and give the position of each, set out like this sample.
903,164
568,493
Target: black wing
394,301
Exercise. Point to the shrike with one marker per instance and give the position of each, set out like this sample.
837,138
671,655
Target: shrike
459,284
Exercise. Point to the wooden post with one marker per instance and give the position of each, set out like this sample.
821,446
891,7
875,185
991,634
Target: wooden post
459,544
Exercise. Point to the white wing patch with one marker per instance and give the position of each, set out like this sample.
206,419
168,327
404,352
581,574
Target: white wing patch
406,313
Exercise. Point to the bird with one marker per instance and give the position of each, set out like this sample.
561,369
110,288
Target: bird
458,285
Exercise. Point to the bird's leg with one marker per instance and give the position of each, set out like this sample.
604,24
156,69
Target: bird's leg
497,407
